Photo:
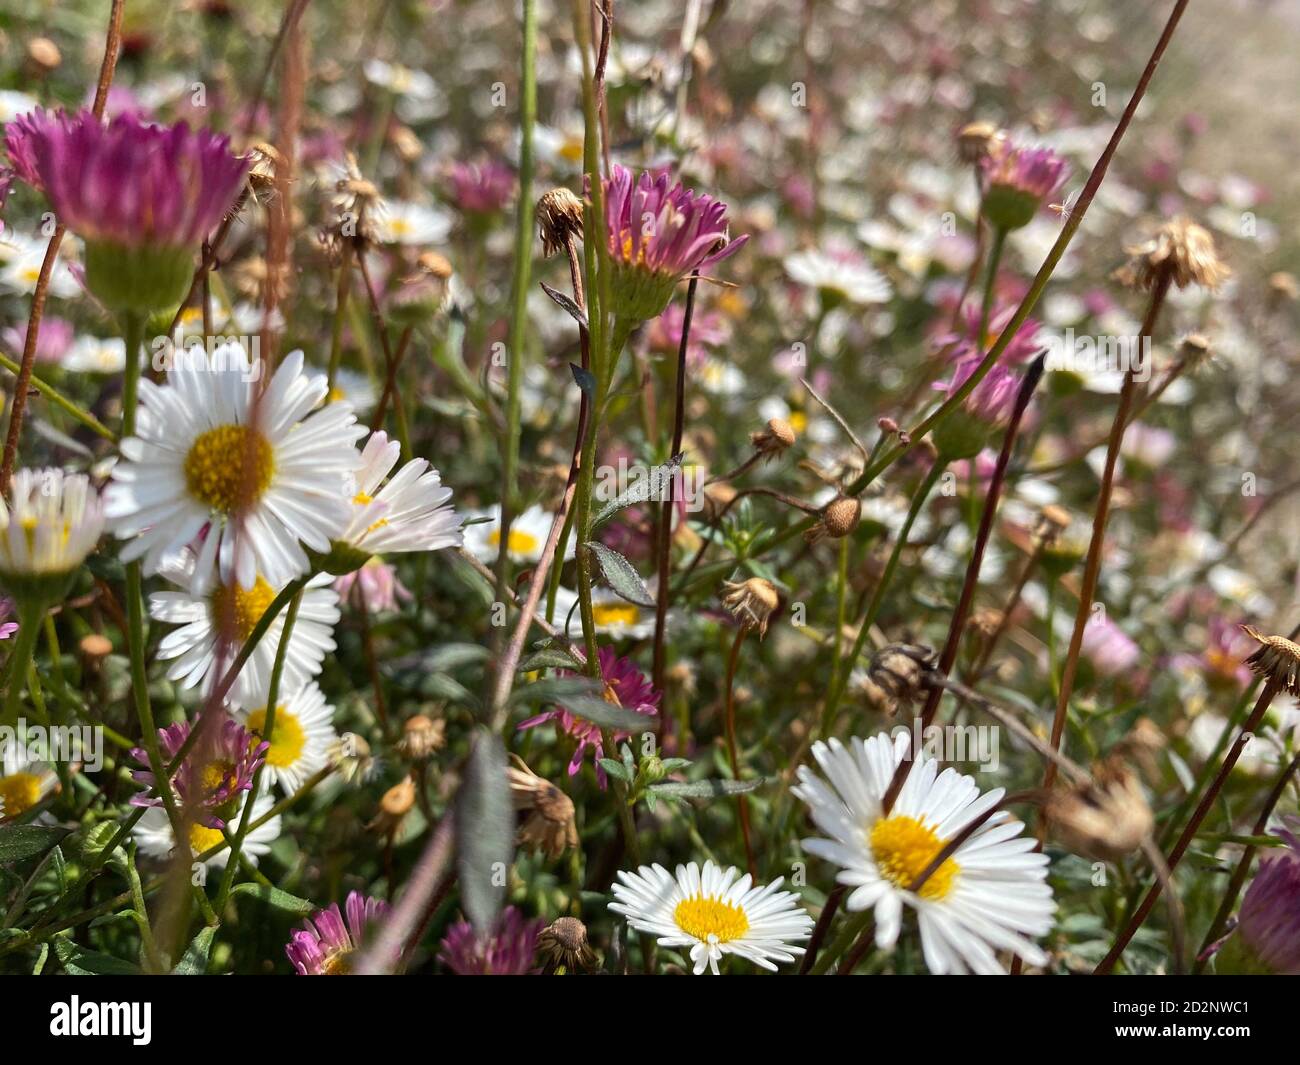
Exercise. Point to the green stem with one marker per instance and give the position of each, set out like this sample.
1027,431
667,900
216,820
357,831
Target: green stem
522,275
133,331
20,658
841,679
62,402
268,733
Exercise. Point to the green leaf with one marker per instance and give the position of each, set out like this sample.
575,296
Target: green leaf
18,842
78,962
621,575
274,897
194,962
599,711
549,658
642,490
616,769
566,303
485,831
554,690
706,789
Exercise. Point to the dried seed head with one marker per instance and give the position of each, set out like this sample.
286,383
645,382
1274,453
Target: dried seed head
559,219
549,825
1104,821
264,160
564,944
1181,249
838,518
751,602
717,496
776,438
421,736
1052,521
44,54
1284,286
986,621
681,676
350,755
394,806
974,140
1194,349
894,678
406,144
1277,660
94,646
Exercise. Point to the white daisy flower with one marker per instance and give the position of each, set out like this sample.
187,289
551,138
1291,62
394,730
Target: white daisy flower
843,277
398,222
15,104
301,736
264,490
23,258
49,524
351,387
192,649
411,512
713,913
990,895
25,781
528,534
153,834
96,355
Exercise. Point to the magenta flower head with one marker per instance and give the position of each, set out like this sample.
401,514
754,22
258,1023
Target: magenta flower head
142,196
508,951
481,188
1018,182
966,430
1267,939
327,941
207,782
967,343
659,231
625,686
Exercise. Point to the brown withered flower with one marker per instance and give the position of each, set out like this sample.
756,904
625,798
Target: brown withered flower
559,220
893,680
778,436
1277,660
548,825
1104,820
563,944
751,602
1180,248
974,140
421,737
396,803
838,518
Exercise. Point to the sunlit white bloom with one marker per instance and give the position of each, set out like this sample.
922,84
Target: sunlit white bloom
615,617
153,834
49,523
528,534
353,388
400,222
15,104
991,894
400,80
301,736
96,355
409,512
713,913
191,650
22,258
849,279
25,781
264,474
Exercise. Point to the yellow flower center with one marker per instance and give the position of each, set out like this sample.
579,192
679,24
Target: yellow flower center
521,543
904,848
798,421
229,467
239,609
203,838
19,793
615,614
338,964
703,918
217,775
287,740
571,149
335,394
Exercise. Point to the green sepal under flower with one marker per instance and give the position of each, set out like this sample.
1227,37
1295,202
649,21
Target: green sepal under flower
142,280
